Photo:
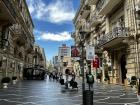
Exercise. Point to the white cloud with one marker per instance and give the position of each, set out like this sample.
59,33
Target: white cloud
58,11
62,36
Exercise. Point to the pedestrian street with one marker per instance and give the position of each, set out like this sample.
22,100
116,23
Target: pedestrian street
46,92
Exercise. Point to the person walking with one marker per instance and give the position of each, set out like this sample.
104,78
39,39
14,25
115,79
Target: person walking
67,72
90,80
73,75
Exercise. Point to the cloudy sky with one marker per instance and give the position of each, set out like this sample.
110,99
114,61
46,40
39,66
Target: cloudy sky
53,23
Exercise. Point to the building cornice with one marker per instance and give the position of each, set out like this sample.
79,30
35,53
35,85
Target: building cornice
78,13
28,12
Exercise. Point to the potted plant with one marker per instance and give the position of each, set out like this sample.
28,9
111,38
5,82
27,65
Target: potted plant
14,79
5,81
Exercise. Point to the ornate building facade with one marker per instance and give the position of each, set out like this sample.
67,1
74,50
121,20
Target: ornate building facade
113,28
16,38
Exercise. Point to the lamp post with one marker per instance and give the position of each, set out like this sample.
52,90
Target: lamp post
82,39
87,94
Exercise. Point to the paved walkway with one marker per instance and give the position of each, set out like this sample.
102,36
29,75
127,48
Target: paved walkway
37,92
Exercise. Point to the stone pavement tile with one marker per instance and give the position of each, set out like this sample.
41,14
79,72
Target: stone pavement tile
52,93
118,100
8,96
108,94
6,102
136,103
60,102
98,97
129,96
29,99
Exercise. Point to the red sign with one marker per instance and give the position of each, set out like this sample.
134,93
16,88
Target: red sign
96,63
74,51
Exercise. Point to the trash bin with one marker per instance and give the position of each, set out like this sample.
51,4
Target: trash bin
88,97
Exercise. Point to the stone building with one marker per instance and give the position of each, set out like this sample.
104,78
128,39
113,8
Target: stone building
64,58
112,27
16,38
39,57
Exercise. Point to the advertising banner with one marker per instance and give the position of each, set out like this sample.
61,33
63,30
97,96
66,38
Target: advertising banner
75,51
90,52
96,62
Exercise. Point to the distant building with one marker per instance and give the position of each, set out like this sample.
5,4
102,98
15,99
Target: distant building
64,58
64,50
56,62
39,57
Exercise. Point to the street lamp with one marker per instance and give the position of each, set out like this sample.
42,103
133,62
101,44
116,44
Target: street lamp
82,41
87,94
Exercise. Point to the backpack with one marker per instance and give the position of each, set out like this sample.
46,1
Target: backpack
90,78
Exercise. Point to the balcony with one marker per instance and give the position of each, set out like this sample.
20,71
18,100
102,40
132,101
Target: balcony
85,12
114,37
16,29
92,2
19,34
95,20
105,6
29,48
7,11
86,27
79,23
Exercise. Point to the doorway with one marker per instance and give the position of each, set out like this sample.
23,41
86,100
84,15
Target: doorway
123,69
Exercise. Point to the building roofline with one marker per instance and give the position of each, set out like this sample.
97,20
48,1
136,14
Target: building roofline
77,13
28,12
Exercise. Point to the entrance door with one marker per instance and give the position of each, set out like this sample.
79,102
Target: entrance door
123,69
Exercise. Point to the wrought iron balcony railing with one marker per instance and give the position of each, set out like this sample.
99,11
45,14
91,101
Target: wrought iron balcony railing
118,32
